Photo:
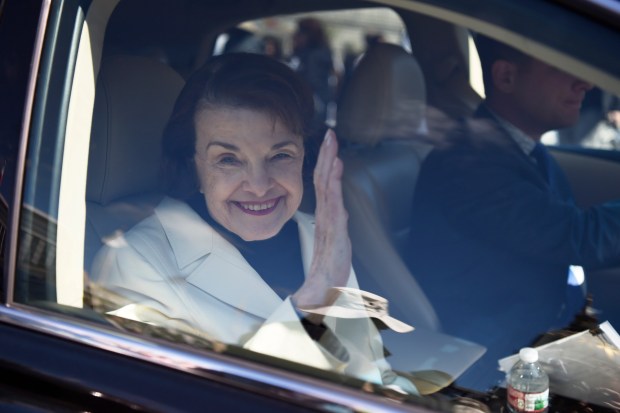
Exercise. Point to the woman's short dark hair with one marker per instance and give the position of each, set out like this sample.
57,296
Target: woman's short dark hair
237,80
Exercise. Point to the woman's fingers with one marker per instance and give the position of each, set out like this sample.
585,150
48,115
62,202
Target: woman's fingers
331,264
334,180
331,236
327,153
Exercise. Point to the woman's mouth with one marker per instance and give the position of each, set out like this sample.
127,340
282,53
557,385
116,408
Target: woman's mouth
258,208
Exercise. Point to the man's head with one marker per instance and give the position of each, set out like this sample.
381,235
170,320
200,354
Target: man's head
530,94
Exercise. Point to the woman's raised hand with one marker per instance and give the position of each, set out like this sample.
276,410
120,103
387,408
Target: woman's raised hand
331,263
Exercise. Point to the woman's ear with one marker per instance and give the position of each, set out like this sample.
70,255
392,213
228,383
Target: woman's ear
504,75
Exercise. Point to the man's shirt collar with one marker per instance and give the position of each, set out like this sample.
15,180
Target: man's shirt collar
524,142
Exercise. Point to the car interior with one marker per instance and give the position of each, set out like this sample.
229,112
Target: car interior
374,123
134,97
379,116
141,52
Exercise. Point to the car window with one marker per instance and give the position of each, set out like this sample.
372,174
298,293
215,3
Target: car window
106,242
349,34
596,128
598,125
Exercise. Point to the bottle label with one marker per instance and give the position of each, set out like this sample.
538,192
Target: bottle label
528,402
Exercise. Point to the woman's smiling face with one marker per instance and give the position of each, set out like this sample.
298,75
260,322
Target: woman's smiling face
249,166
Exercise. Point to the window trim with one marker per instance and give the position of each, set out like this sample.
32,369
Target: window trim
15,213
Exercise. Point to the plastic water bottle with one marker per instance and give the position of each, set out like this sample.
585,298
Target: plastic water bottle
528,384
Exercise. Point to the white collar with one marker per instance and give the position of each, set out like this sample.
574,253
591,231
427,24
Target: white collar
524,142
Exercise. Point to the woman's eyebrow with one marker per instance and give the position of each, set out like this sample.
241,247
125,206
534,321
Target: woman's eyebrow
284,144
225,145
234,148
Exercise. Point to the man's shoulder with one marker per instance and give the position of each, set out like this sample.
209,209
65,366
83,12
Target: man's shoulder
480,149
478,136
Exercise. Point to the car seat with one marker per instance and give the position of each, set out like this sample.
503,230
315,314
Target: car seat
134,98
380,114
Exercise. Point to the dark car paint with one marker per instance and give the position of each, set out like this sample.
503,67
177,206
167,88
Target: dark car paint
38,371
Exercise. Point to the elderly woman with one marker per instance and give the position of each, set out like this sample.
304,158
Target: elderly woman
228,255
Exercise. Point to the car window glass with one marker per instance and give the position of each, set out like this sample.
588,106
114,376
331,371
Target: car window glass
349,34
98,229
598,126
50,273
76,203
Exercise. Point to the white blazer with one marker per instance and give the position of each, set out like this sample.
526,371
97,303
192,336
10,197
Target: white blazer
175,270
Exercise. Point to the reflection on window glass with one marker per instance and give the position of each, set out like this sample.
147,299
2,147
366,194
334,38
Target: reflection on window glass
4,216
340,198
598,126
323,46
226,255
37,257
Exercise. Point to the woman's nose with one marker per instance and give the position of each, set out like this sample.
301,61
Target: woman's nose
258,181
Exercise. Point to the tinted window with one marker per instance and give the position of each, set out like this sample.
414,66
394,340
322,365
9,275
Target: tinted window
99,232
17,29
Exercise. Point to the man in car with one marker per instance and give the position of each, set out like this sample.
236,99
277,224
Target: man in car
495,226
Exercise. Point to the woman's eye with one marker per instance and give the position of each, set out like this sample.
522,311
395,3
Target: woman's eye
228,161
281,156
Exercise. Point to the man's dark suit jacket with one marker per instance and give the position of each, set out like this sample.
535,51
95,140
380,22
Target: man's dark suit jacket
491,242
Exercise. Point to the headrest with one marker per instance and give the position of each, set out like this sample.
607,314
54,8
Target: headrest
134,98
385,97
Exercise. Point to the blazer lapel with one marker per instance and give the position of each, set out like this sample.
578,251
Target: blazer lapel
235,283
211,263
216,267
226,275
189,236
